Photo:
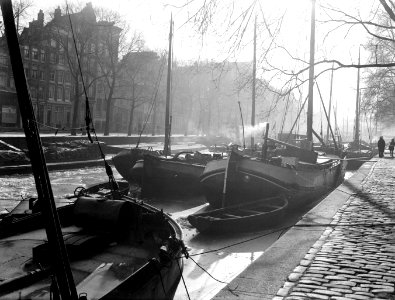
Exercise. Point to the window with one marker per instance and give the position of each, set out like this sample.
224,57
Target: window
34,74
33,93
67,94
43,55
51,91
35,53
61,59
67,77
42,75
53,43
52,58
26,52
100,88
3,60
52,75
40,93
60,93
60,76
3,79
12,82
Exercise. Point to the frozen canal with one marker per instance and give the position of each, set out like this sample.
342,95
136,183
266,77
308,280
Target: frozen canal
215,260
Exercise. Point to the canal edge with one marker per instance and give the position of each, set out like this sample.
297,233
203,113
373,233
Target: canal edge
268,275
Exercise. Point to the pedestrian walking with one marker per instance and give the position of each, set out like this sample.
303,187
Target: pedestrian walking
381,146
391,147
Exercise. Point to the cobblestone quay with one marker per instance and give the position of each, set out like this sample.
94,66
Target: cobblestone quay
355,256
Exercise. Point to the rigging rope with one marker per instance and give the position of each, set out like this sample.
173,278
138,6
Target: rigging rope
88,116
154,98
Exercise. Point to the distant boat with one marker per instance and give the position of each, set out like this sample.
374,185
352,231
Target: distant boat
258,214
297,172
179,174
125,160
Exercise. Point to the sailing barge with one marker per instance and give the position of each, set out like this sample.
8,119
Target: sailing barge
297,172
255,178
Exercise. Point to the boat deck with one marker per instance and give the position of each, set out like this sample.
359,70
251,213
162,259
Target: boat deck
16,256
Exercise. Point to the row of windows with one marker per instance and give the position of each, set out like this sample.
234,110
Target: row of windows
61,93
54,58
58,76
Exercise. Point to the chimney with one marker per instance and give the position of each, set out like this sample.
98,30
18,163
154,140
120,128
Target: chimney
40,18
58,13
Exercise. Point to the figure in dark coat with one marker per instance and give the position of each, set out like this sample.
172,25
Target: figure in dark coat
381,146
391,147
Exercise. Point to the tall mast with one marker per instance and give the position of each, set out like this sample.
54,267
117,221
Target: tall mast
253,88
62,270
330,106
166,149
311,76
357,104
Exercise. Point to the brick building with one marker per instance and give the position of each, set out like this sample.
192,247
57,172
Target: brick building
52,71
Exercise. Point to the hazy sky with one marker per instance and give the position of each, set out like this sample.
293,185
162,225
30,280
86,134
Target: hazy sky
151,18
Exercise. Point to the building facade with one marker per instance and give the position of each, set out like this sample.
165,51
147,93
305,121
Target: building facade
52,70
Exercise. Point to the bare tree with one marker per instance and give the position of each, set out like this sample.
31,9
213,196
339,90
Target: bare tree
21,11
116,43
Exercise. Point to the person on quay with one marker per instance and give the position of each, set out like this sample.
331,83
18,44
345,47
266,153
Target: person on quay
381,146
391,147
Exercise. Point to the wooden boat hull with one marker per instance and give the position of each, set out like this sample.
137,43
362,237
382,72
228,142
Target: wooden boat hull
125,160
254,179
143,255
168,175
259,214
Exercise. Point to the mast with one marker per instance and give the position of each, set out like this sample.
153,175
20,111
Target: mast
253,88
311,78
329,109
357,104
63,276
166,149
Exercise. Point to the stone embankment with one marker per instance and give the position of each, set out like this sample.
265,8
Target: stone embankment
344,248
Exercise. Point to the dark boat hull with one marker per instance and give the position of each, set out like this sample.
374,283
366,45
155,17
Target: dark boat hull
254,179
125,160
163,175
259,214
141,268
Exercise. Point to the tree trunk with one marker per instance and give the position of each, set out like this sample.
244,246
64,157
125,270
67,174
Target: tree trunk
131,118
154,120
109,109
75,108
